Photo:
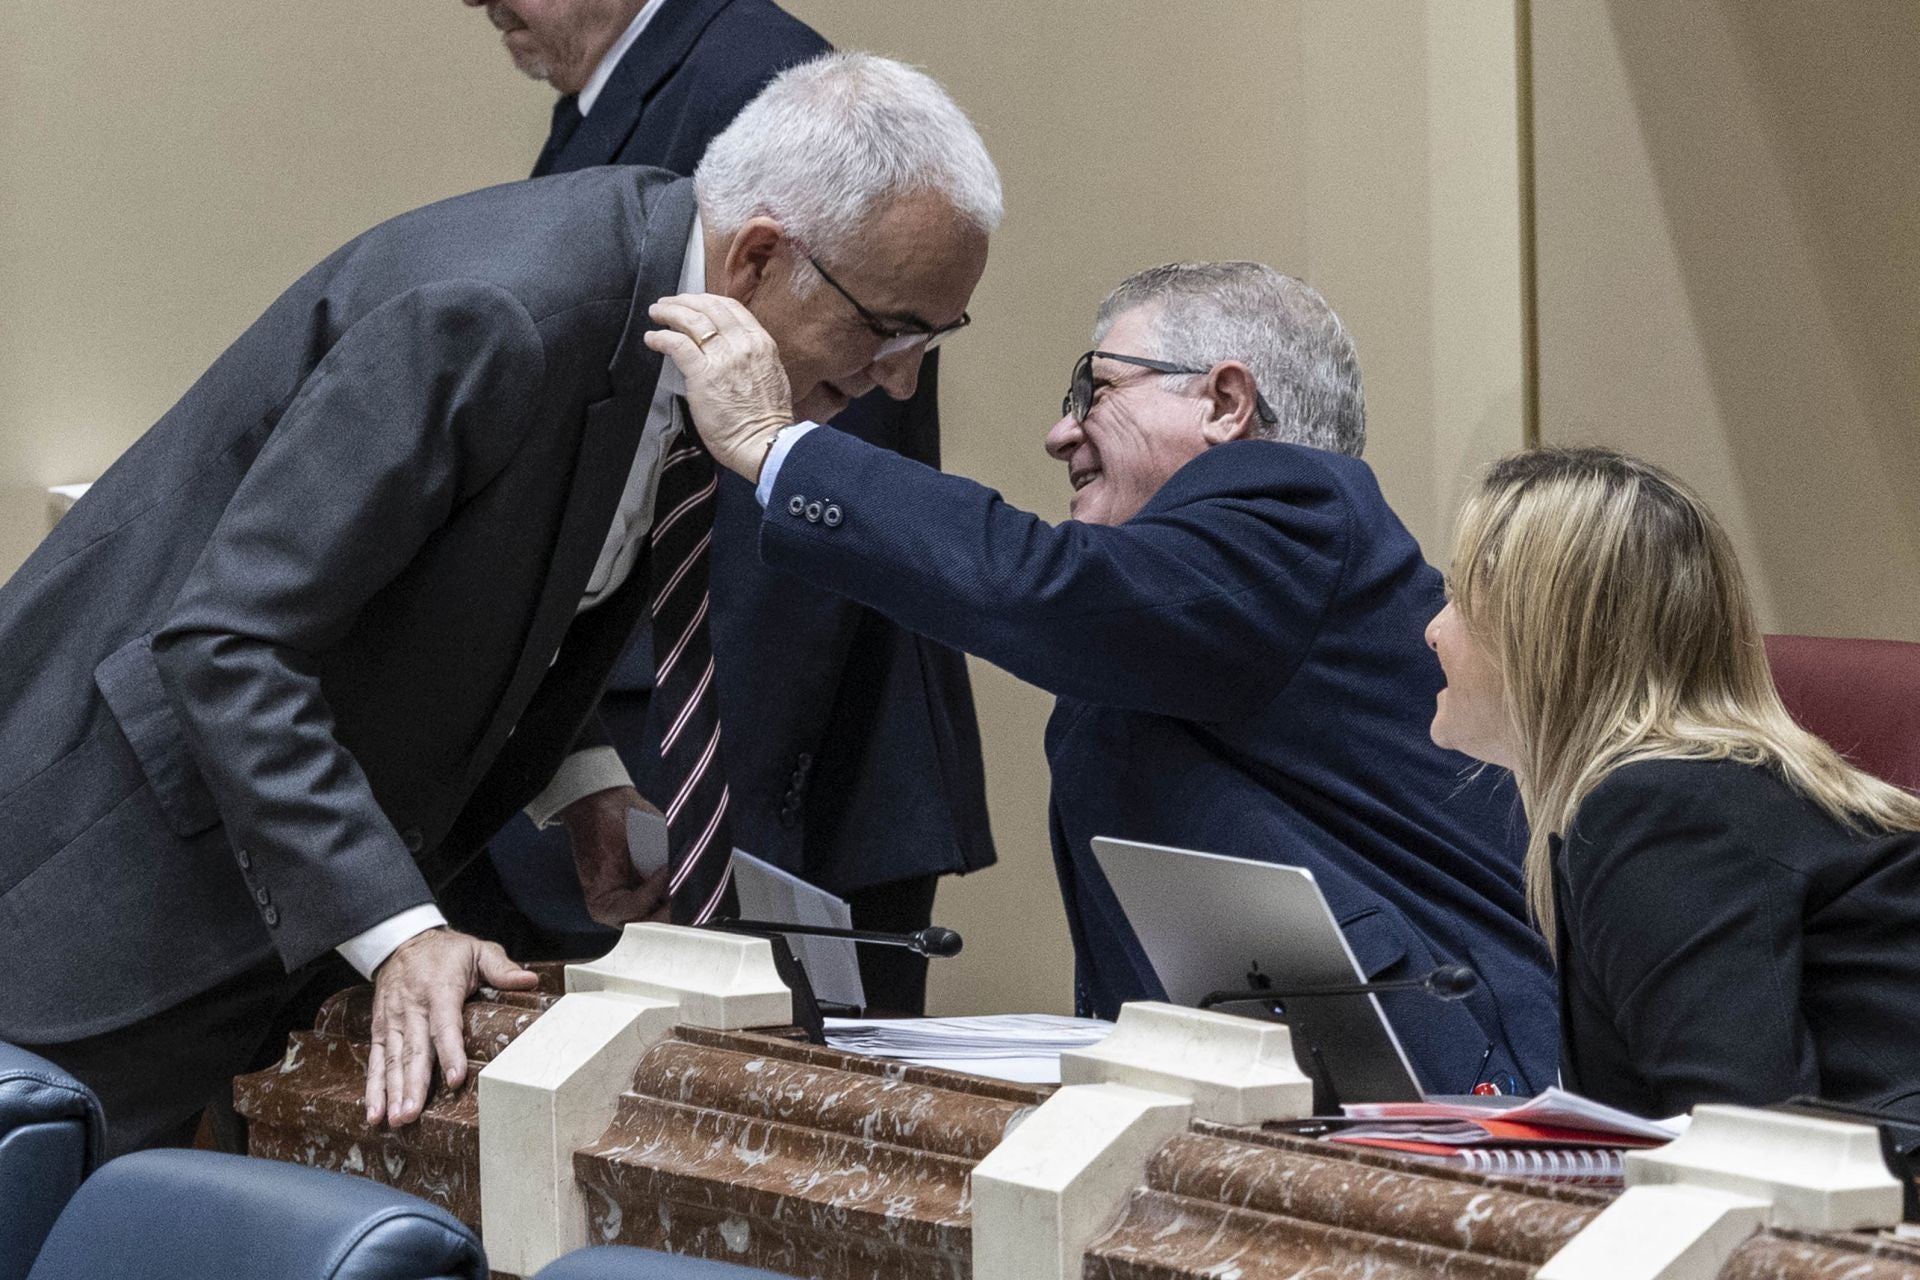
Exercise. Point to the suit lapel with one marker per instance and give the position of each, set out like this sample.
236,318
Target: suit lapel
657,54
609,436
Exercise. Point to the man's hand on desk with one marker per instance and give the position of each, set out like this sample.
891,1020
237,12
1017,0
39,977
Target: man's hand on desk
597,829
418,992
736,386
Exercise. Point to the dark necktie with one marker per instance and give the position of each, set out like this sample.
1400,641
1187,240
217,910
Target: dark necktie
566,118
685,706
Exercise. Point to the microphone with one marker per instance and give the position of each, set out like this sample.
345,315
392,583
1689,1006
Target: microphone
1445,982
933,941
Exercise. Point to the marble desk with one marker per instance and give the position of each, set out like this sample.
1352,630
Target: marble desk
757,1147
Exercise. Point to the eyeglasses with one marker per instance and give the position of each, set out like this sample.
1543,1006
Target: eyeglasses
1079,398
894,338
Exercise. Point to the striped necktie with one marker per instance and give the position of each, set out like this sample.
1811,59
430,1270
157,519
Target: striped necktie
685,705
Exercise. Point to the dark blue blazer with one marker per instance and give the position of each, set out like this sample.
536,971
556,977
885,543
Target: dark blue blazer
1240,669
851,745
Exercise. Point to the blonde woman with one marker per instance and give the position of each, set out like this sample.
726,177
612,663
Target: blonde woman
1735,910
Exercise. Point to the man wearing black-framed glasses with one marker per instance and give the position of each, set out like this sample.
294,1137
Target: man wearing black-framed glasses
896,336
1232,622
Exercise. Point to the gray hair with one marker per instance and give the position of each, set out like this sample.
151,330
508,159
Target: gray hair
1280,328
830,141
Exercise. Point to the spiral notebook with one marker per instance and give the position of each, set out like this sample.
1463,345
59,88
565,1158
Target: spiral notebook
1584,1166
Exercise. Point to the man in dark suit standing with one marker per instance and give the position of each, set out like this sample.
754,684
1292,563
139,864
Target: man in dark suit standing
856,755
1232,620
351,602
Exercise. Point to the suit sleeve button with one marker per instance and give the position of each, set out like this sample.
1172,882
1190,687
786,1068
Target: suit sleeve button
246,859
831,516
271,915
813,512
262,897
412,838
796,505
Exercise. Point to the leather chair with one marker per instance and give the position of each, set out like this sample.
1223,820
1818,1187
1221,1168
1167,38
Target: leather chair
615,1262
51,1137
191,1215
1861,696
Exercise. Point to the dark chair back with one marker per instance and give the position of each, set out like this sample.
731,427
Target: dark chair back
615,1262
51,1135
202,1215
1861,696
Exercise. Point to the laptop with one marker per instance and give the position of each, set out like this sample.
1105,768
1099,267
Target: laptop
1212,923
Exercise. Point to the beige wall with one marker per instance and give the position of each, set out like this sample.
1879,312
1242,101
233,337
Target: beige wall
1729,248
171,168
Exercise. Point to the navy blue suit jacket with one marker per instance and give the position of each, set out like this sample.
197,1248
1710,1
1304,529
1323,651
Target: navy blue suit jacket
1240,669
851,745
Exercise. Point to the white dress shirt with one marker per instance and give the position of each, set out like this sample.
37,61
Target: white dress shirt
597,768
598,80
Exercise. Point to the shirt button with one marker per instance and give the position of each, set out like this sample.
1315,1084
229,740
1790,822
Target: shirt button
831,516
796,504
813,513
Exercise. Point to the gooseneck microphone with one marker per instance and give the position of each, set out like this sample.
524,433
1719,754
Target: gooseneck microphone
1446,982
933,941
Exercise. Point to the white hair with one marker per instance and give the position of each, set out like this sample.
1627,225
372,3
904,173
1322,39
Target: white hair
830,141
1301,356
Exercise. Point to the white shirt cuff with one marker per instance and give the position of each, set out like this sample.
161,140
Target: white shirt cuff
580,774
368,951
784,440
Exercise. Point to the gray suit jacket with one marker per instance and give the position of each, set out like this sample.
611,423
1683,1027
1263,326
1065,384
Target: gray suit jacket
255,676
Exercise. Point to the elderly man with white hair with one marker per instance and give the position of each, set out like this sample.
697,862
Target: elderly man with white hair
1232,621
351,601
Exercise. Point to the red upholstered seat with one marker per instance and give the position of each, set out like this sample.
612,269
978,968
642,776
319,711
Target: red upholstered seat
1861,696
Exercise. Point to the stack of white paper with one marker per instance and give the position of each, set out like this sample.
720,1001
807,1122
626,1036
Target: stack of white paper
1008,1046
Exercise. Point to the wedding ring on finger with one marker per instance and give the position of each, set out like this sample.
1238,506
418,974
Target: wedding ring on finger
703,339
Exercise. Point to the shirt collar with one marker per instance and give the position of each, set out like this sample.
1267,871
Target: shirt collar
693,279
601,73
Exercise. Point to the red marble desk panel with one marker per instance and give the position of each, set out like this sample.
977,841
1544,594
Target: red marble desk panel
811,1162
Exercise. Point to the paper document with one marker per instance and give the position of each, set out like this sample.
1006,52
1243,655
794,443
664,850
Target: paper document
1007,1046
1554,1108
768,893
646,841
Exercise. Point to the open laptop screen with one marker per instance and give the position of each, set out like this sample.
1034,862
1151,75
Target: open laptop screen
1210,923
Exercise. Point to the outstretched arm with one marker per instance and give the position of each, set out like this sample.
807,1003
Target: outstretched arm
1201,607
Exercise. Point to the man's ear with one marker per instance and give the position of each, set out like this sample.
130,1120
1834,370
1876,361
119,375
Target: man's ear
1232,395
751,257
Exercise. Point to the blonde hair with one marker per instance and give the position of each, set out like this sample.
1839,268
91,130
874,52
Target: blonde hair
1611,600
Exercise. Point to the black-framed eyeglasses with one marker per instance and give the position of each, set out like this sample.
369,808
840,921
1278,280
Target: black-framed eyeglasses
1079,398
894,338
